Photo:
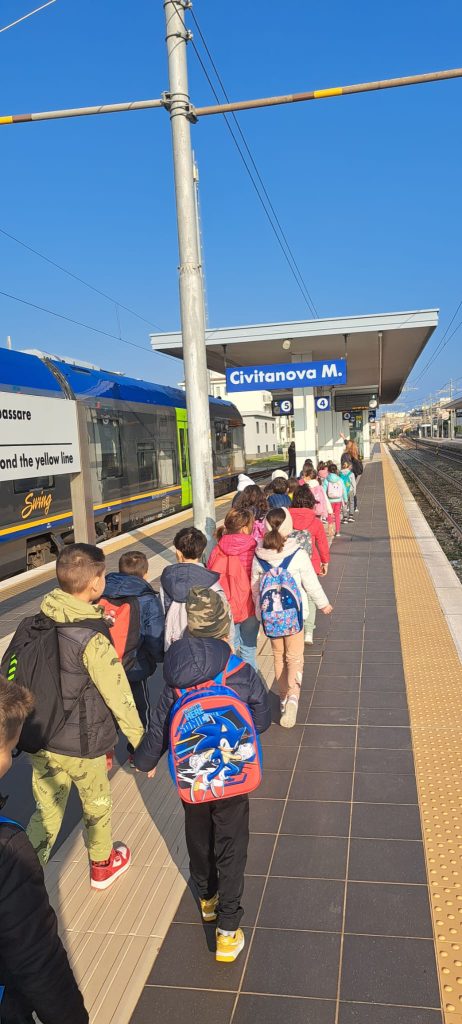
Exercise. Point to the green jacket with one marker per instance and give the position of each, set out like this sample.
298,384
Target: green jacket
100,662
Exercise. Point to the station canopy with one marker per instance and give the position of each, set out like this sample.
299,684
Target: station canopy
381,349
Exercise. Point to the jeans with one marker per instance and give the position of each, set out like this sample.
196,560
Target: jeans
217,837
140,691
245,639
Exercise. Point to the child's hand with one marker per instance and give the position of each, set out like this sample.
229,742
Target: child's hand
152,773
324,570
327,609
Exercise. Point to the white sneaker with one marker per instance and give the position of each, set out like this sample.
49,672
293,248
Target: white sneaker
289,718
283,705
309,637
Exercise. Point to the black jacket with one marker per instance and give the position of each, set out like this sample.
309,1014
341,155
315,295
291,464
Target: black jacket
33,962
188,662
151,645
176,581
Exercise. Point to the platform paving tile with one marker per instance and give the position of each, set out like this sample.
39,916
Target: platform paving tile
337,920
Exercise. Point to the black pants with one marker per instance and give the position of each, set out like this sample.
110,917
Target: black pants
217,837
140,691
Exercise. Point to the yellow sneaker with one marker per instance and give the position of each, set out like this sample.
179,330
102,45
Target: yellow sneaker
209,908
229,946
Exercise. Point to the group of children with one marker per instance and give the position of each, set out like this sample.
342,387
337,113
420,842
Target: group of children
264,571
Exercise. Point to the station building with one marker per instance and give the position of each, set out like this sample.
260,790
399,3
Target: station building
380,352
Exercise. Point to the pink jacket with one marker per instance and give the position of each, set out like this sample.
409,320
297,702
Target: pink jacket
232,558
321,508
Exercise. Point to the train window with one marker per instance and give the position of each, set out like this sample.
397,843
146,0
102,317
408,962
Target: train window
183,452
108,435
147,463
34,483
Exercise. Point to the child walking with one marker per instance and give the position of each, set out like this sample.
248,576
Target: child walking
176,580
217,831
279,498
232,559
279,547
132,581
336,492
253,500
303,515
349,479
34,968
95,691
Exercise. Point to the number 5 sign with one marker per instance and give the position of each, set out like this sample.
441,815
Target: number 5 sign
322,404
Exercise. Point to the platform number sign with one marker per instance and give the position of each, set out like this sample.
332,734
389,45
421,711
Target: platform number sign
347,416
322,404
282,406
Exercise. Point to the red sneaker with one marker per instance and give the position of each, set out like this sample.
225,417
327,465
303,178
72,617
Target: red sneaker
109,760
104,873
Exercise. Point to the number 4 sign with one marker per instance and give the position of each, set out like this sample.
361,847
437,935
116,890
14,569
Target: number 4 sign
322,404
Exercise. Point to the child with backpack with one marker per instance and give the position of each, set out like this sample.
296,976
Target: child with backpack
212,737
35,975
253,499
349,479
283,579
336,492
305,520
138,625
232,559
176,581
279,498
66,653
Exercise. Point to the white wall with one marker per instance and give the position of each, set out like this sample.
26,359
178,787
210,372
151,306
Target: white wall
259,435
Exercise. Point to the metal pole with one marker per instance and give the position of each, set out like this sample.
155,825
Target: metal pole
191,285
81,489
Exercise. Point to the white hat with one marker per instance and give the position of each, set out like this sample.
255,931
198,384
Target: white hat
244,481
279,472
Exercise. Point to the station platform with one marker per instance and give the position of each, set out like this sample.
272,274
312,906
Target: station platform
353,894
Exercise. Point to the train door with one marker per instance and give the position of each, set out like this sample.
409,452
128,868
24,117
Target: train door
183,451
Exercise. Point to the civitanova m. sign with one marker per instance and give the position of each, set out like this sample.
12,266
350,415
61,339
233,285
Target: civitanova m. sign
287,375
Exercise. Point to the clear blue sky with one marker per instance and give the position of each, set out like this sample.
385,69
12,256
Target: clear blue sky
367,187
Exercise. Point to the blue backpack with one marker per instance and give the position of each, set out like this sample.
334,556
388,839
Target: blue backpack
280,600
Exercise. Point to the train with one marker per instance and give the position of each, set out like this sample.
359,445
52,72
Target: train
137,433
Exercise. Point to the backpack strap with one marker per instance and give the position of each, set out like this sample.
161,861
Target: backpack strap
287,560
265,565
9,821
234,665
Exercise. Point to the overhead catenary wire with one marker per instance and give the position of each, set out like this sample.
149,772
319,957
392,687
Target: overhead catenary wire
287,254
239,105
77,323
302,285
441,345
81,280
28,15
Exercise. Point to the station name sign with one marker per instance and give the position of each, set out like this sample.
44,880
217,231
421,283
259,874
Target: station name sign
38,437
287,375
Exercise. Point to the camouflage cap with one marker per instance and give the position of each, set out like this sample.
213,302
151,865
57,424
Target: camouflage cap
207,615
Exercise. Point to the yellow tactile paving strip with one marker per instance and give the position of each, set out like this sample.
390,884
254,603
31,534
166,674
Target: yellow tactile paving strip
433,673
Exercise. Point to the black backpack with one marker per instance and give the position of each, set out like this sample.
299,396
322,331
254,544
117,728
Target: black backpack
32,660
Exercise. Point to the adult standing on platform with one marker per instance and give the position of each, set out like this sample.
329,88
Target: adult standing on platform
292,459
352,452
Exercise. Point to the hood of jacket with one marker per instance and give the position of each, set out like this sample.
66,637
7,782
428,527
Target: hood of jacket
120,583
276,557
333,477
236,543
177,580
191,661
303,518
63,607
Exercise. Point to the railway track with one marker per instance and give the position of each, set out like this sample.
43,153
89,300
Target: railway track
441,488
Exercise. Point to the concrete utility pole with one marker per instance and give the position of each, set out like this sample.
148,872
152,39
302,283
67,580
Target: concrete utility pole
191,283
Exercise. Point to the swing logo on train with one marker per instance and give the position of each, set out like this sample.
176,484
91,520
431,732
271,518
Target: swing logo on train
214,751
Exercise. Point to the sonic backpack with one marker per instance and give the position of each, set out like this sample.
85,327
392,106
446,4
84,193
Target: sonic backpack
214,751
280,600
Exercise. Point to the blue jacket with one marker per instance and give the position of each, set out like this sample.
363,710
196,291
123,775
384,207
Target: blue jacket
188,662
151,645
279,501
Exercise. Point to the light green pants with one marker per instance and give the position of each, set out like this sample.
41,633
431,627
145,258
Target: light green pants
52,778
309,622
